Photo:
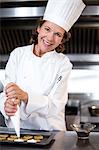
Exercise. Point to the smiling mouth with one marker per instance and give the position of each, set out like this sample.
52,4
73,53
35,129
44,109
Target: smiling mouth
47,43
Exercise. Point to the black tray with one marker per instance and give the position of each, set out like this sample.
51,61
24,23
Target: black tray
48,137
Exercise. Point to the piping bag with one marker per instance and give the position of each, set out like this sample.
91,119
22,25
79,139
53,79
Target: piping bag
16,121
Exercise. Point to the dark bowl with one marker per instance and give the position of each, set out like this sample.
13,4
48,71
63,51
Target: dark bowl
83,130
94,110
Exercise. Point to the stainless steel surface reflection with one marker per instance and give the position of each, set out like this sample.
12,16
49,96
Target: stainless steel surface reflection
21,0
22,12
39,11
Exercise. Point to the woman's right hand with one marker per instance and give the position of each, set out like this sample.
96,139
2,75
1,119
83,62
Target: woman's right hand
10,107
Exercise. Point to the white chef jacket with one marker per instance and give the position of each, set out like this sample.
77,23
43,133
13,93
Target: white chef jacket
45,79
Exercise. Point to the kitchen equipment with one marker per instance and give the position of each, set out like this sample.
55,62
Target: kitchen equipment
83,130
8,136
21,16
72,107
94,110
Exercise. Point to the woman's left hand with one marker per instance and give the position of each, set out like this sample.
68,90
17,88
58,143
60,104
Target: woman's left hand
13,91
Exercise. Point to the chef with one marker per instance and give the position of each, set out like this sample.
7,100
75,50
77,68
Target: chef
36,75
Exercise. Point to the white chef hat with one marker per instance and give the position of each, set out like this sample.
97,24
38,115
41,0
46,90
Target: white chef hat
63,12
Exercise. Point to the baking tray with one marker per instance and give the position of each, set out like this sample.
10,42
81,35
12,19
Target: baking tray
48,137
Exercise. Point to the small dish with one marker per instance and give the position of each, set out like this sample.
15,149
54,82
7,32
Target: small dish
83,130
94,110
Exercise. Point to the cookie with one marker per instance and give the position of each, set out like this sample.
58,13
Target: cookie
2,138
31,141
13,136
27,137
19,140
4,135
10,139
38,137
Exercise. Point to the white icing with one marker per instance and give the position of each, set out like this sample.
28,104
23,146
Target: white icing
32,141
19,140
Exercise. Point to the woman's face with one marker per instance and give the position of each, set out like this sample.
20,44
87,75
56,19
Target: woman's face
50,36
